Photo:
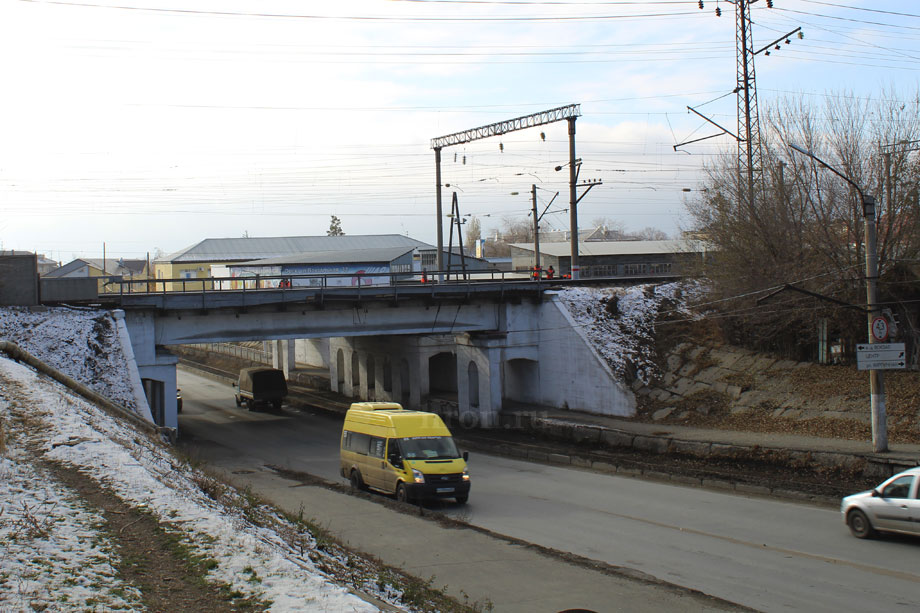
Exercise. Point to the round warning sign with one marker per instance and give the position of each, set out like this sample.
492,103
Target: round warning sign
880,329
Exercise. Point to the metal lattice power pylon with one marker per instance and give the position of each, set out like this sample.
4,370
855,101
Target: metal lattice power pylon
750,154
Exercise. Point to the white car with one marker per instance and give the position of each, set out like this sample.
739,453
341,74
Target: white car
893,506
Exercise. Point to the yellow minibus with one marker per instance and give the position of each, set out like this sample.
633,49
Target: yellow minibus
409,454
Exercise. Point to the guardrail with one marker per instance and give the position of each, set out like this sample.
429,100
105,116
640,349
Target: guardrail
358,281
237,351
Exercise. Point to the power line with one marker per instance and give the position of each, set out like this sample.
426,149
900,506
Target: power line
365,18
861,8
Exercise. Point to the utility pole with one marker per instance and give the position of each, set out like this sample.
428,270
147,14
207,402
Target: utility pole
536,222
876,377
439,213
573,201
536,229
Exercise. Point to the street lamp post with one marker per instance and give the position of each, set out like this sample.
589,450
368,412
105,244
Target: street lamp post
876,377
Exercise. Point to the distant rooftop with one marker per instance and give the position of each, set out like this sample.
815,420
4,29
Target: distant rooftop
617,247
114,267
362,256
246,249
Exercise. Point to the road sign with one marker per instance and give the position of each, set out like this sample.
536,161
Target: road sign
880,329
880,356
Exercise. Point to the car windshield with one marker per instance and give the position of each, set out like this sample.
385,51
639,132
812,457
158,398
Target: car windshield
429,448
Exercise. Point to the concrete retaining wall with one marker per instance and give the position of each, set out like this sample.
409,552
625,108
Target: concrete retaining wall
866,464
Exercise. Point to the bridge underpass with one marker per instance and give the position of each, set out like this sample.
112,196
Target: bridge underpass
481,346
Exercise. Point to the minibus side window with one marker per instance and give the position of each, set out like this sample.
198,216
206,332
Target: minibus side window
355,441
377,446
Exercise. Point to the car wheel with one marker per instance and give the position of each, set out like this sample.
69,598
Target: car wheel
357,483
239,402
462,499
250,404
402,494
276,406
860,525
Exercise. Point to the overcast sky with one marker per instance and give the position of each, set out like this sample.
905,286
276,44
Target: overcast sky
153,125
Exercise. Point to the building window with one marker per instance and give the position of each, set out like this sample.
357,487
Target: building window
635,269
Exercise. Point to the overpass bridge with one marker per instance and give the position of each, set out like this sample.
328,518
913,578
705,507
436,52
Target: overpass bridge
484,341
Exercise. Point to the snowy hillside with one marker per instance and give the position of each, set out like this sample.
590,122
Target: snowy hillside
81,343
51,546
620,322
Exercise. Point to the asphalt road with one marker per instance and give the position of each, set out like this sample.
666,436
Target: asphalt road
765,554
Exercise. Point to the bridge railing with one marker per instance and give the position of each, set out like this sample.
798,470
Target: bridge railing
358,281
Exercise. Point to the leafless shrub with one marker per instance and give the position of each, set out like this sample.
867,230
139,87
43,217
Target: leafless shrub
30,521
805,226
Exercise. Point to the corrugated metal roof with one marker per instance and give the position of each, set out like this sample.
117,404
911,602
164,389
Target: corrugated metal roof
616,247
363,256
112,267
245,249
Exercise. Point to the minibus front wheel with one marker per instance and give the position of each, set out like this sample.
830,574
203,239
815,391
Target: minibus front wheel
402,494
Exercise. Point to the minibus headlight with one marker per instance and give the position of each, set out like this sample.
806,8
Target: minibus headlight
466,475
418,475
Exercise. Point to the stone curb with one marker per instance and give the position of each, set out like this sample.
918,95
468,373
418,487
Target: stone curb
870,465
559,459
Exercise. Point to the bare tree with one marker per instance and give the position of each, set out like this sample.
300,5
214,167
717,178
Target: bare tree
473,231
805,227
651,234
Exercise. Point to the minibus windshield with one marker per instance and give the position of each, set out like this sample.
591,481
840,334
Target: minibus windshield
428,448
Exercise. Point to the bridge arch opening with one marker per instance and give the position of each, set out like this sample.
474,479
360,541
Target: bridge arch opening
156,399
340,371
405,396
355,375
387,375
442,375
522,380
473,376
371,377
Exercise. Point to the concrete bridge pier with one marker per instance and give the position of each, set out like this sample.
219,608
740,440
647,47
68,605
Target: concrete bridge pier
283,356
156,367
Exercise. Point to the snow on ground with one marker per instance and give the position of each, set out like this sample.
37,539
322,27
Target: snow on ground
68,559
143,474
620,322
52,554
81,343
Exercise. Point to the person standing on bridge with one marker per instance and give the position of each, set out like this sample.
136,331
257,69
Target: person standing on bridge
550,272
